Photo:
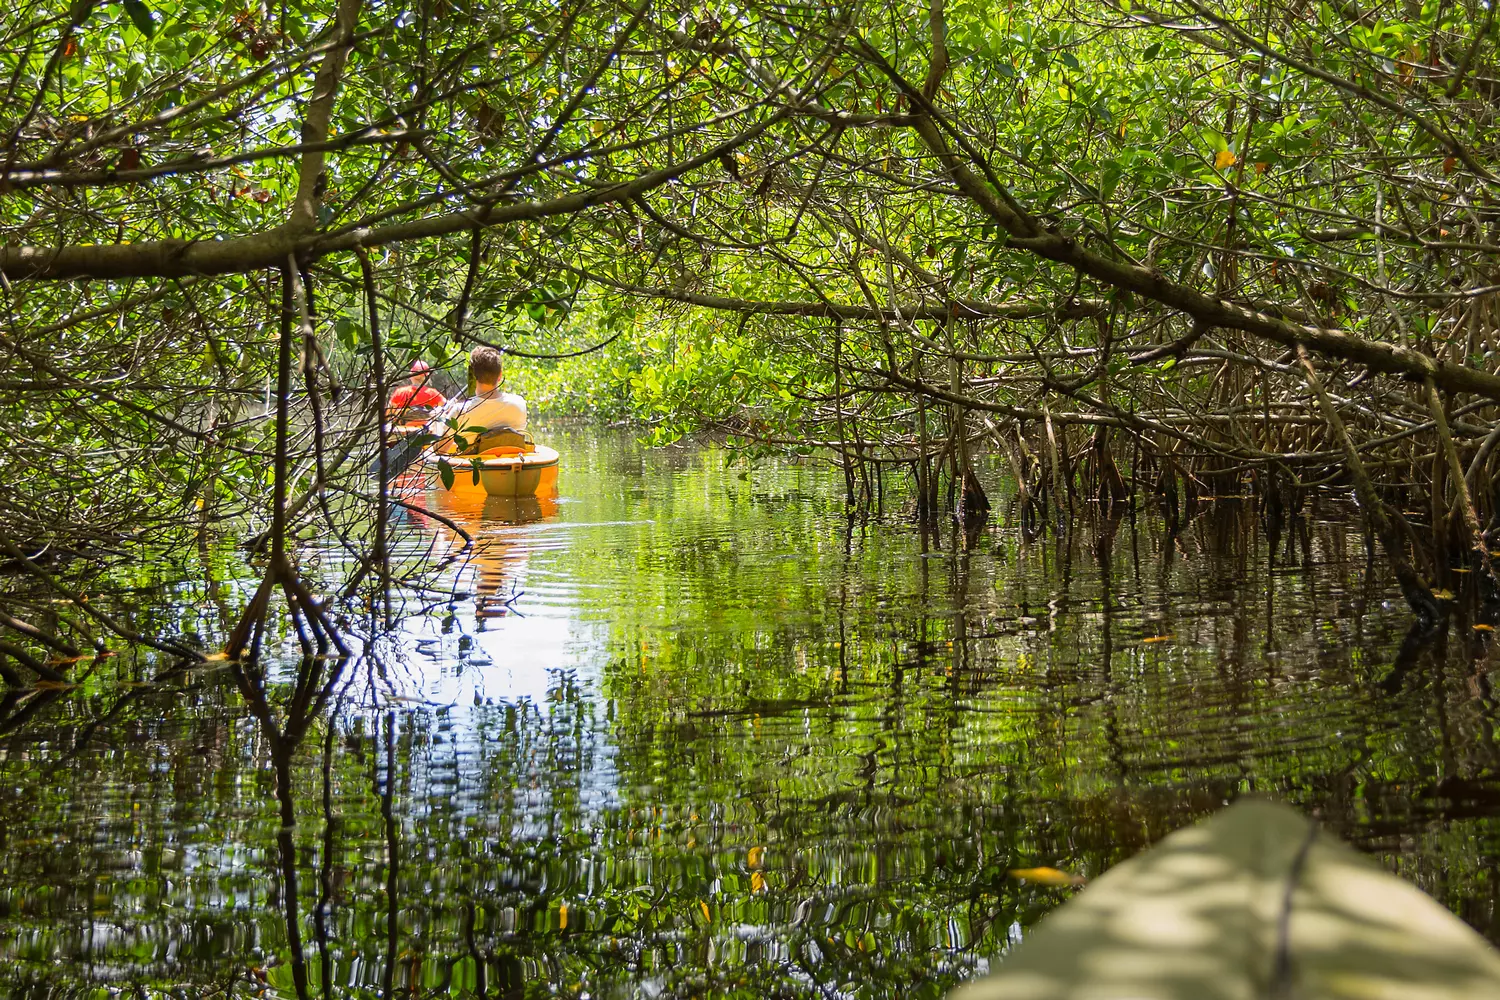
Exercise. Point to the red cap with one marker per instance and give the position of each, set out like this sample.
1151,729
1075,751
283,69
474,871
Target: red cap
420,366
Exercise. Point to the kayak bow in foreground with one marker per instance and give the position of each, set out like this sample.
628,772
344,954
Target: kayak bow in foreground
1250,904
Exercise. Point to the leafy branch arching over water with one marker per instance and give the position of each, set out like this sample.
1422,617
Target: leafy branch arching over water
1092,237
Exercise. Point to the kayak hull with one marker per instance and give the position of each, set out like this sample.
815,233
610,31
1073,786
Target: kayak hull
533,473
1254,902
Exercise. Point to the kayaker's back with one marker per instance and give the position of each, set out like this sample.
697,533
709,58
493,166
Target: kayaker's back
489,409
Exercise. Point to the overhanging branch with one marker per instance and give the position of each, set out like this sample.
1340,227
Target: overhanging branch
1206,310
959,308
181,258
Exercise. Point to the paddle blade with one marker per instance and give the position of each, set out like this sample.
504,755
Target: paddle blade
401,454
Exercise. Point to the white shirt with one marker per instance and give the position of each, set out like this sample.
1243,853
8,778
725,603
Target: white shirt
486,409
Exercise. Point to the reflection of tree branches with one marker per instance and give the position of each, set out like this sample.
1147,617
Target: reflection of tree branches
385,792
309,696
17,707
29,564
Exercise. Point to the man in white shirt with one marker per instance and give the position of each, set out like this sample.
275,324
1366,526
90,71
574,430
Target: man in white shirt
486,410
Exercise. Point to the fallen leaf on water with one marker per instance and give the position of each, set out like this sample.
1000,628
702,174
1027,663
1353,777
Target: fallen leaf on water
1160,638
757,882
1047,876
562,917
1443,595
704,907
1484,628
755,856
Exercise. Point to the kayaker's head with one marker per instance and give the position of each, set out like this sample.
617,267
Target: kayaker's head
487,368
420,370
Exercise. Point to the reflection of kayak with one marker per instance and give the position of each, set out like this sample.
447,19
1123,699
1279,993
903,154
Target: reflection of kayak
498,557
474,509
1251,903
502,472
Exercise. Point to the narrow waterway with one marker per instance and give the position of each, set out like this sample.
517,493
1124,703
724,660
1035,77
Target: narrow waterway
687,731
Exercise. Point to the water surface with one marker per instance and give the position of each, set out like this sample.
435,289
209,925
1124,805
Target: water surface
688,731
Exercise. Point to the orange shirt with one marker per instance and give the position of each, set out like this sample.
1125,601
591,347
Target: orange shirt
408,397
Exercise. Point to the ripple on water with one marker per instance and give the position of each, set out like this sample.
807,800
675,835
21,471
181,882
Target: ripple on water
685,730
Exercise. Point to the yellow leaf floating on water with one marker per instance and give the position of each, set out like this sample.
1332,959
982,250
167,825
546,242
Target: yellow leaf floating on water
1047,876
1223,158
755,857
562,917
757,882
704,907
1160,638
1481,627
1443,595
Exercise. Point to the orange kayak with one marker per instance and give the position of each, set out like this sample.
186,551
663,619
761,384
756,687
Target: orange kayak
502,472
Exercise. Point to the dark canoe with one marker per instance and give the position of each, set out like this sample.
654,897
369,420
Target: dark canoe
1250,904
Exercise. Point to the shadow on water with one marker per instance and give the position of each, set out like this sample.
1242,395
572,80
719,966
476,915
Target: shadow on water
678,733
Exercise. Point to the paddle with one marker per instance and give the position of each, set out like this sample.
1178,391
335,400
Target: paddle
401,454
404,451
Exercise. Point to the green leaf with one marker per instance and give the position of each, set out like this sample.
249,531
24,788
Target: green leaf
445,473
140,15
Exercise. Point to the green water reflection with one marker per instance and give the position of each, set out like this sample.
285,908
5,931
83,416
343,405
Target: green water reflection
688,733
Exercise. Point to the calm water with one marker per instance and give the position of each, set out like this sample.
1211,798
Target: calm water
685,732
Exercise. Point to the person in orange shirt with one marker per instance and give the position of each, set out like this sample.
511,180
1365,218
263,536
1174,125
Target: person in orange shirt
416,399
